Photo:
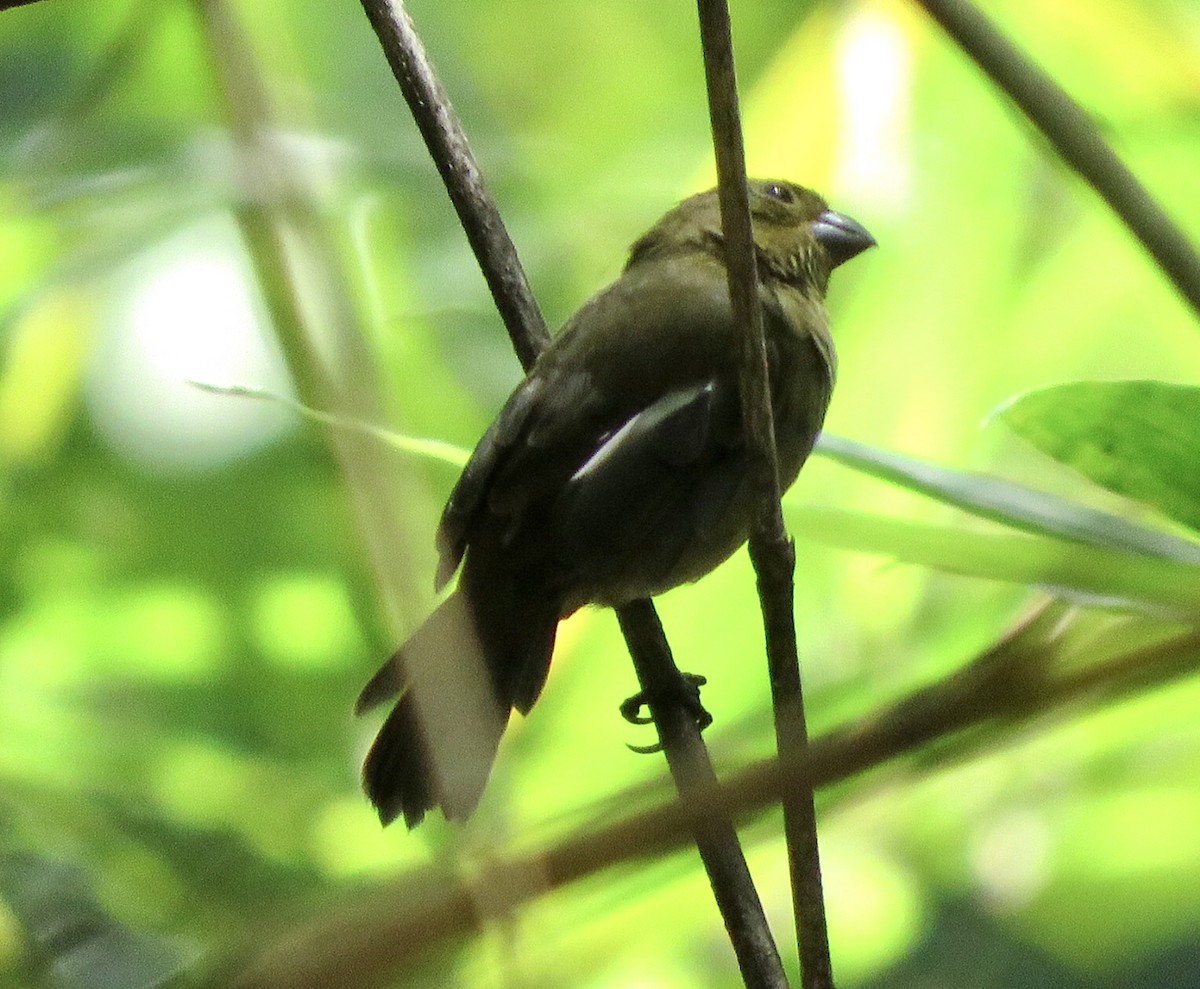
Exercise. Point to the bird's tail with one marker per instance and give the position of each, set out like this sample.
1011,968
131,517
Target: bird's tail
437,746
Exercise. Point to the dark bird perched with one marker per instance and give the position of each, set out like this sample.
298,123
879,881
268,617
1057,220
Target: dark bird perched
615,471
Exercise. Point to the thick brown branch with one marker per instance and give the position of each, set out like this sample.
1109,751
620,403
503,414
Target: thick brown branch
390,928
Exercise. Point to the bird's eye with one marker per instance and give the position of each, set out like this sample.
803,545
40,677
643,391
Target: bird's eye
781,192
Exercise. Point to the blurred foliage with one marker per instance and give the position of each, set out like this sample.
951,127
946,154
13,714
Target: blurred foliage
190,600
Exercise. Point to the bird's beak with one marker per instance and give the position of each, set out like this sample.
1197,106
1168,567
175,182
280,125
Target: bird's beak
842,237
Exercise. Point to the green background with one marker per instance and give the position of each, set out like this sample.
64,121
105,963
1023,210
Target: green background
195,585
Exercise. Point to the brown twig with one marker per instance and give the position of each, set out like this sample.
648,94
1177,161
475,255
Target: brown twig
1075,137
448,147
687,756
716,837
771,551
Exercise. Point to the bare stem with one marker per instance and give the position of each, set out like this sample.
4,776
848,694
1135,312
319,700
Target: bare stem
448,147
771,551
716,838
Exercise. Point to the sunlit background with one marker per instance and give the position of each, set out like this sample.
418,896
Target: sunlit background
198,577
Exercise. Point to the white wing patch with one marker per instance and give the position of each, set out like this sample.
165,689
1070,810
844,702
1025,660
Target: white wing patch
647,419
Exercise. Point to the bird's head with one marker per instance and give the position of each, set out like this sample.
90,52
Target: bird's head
799,239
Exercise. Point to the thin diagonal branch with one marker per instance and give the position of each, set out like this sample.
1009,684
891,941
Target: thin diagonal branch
691,768
716,837
1075,137
448,147
771,551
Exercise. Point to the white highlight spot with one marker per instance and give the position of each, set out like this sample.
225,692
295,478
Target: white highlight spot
875,75
187,311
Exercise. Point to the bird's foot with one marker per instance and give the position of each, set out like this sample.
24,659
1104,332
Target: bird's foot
685,693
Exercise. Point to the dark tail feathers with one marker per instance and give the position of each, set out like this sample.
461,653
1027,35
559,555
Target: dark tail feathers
437,746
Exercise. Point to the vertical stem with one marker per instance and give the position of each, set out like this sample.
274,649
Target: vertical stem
774,564
303,284
770,550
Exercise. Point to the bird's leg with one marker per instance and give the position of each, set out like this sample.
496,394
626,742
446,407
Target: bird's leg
685,692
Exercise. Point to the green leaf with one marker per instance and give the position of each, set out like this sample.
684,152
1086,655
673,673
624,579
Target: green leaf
1084,573
1140,439
1011,504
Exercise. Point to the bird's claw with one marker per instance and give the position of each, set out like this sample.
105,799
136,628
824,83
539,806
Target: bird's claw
686,694
632,706
645,749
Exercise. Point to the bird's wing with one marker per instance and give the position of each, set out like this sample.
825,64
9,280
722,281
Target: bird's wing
658,492
663,327
470,491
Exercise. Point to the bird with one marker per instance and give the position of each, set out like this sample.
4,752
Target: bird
616,470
